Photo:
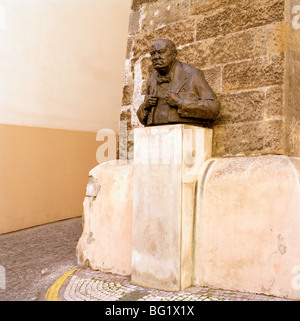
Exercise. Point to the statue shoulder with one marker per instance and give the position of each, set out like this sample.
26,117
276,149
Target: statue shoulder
191,69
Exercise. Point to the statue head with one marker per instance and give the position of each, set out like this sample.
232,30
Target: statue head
163,54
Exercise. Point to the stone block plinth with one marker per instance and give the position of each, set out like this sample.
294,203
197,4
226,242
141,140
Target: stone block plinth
167,160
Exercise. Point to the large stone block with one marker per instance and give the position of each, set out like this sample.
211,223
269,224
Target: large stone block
247,226
240,107
250,138
105,243
166,162
242,16
259,72
232,47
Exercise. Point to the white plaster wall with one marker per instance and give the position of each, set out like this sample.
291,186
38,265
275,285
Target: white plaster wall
62,62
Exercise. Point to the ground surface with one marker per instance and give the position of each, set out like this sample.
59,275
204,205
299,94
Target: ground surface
40,264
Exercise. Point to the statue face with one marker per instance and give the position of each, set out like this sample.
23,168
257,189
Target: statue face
162,55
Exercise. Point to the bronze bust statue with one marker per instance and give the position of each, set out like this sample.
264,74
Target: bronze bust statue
176,92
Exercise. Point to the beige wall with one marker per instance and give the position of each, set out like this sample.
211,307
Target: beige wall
61,75
44,173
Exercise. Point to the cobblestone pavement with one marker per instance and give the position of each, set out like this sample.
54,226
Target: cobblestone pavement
36,257
40,264
87,285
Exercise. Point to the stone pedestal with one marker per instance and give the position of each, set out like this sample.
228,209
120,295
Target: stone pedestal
167,160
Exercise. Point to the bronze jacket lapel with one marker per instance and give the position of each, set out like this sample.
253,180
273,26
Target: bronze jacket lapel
179,79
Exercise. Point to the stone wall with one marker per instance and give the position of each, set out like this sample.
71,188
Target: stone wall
292,79
241,46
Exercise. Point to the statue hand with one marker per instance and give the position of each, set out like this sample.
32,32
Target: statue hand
173,99
150,102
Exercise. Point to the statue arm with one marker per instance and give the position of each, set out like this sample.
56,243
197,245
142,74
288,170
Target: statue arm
142,114
150,101
143,111
206,106
203,108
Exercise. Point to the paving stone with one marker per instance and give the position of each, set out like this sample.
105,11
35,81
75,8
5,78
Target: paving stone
36,259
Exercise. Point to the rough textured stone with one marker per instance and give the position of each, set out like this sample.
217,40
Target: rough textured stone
237,139
136,4
125,143
274,137
277,38
134,22
242,16
163,13
241,107
214,78
274,105
147,69
292,136
92,188
126,115
292,85
233,47
252,138
189,55
200,6
127,94
255,73
129,47
180,33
